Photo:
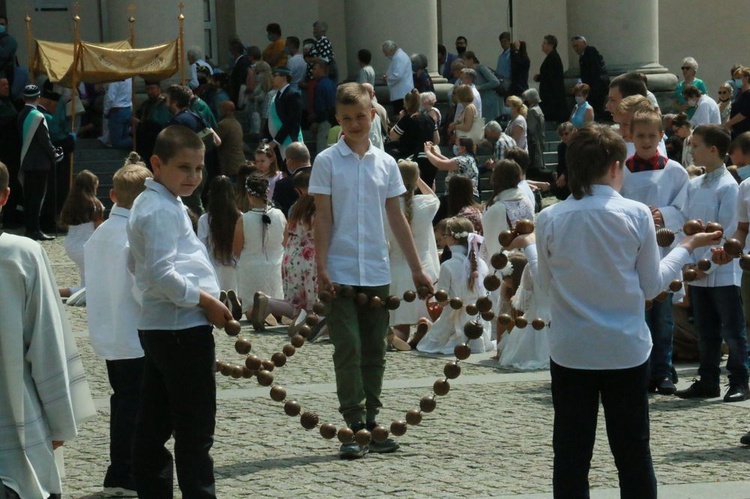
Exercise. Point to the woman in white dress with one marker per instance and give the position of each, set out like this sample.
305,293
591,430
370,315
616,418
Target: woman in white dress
419,211
462,276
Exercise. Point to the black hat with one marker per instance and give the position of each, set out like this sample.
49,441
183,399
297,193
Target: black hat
31,91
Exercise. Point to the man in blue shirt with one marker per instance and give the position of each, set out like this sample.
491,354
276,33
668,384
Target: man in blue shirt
503,62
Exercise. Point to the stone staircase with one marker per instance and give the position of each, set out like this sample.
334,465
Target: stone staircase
102,161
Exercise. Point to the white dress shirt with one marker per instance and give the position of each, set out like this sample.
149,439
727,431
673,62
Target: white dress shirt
119,94
298,67
111,308
598,264
359,187
399,76
706,112
172,266
712,197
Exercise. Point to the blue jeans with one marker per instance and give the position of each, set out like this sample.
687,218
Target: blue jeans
119,128
659,321
575,396
178,398
718,316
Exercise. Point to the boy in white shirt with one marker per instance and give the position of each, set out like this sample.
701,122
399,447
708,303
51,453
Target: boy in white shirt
739,152
715,295
601,249
180,303
112,313
356,186
661,184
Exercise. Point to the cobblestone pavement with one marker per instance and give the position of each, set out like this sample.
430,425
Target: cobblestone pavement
490,436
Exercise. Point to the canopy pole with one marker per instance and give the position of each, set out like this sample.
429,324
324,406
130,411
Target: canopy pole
181,19
131,20
76,47
28,46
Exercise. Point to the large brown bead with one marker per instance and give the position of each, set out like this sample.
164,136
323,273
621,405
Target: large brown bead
675,285
328,431
278,393
428,403
269,365
253,363
247,373
499,260
319,308
521,322
278,359
297,340
441,295
309,420
225,369
538,324
376,302
492,282
243,346
505,320
236,372
217,365
471,309
346,435
289,350
484,304
410,296
398,428
423,292
664,237
392,302
325,296
379,434
413,417
456,303
265,378
361,299
524,226
304,330
689,275
312,320
473,330
347,291
733,248
452,370
704,264
363,437
713,227
692,227
488,316
649,304
441,387
292,408
505,238
462,351
232,327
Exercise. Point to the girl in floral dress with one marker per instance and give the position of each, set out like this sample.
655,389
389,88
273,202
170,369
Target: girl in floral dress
298,267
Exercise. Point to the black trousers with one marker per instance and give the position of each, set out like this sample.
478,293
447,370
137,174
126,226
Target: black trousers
623,392
178,398
125,378
34,190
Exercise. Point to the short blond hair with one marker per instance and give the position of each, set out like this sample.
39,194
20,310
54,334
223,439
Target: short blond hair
128,182
632,104
352,94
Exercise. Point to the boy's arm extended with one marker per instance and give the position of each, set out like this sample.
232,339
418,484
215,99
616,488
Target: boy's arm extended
403,235
323,228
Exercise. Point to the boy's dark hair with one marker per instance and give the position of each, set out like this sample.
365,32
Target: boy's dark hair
461,37
173,139
293,40
591,151
352,94
506,174
179,95
689,91
274,28
741,142
520,156
4,177
680,120
715,136
442,49
364,56
551,40
629,84
505,35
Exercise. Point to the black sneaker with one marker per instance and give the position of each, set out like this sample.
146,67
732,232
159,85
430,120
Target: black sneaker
673,373
699,390
385,447
664,386
736,393
352,450
745,439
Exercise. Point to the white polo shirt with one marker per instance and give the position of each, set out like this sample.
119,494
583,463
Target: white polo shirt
399,77
172,266
598,263
359,187
111,308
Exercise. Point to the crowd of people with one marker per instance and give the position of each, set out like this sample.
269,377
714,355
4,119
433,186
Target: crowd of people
270,235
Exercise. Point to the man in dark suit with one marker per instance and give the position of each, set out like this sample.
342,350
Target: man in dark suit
238,76
297,159
552,83
445,60
593,73
38,157
285,113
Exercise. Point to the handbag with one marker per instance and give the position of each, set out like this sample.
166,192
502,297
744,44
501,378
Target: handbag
476,133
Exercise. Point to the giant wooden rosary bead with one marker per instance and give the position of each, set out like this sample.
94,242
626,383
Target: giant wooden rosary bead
392,302
473,330
319,308
488,316
292,407
236,372
232,327
733,248
265,378
398,428
347,291
379,434
521,322
269,365
689,275
289,350
413,417
410,296
312,319
328,431
225,369
376,302
499,260
253,363
304,330
423,291
524,226
361,299
505,320
309,420
297,340
713,227
325,296
462,351
456,303
346,435
452,370
538,324
363,437
704,264
243,346
471,309
505,238
278,393
278,359
428,403
441,387
247,373
692,227
492,282
484,304
675,285
664,237
441,296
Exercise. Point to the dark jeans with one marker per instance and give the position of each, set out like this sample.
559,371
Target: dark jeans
178,398
718,316
575,396
661,325
119,128
34,190
125,378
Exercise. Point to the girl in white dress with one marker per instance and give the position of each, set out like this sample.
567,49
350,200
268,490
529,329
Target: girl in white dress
82,213
462,276
258,237
419,211
265,162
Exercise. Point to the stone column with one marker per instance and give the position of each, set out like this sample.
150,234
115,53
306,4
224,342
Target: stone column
626,34
412,25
